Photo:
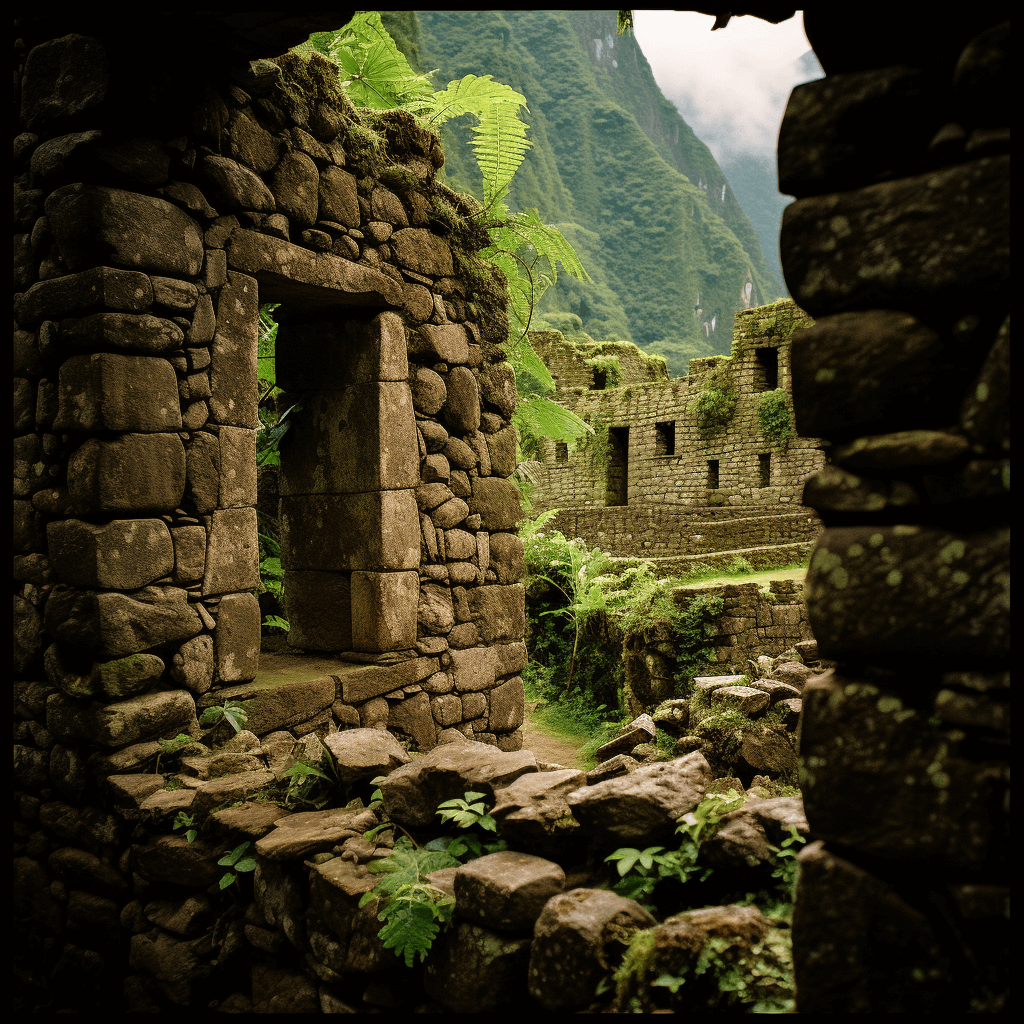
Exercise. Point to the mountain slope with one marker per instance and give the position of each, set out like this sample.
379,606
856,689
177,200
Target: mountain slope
613,164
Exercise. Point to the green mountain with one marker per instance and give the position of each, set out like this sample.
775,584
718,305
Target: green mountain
614,167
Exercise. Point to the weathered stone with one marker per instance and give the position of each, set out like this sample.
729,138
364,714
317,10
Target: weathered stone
365,753
640,730
908,448
295,186
189,553
908,242
237,638
308,832
232,552
273,705
506,703
125,677
124,722
412,718
496,501
499,612
440,343
501,447
338,197
362,682
412,793
744,699
533,812
132,473
644,804
63,77
233,186
135,332
116,624
906,769
422,252
577,939
373,531
193,664
94,225
910,591
507,890
359,439
384,607
461,410
233,354
428,391
477,970
123,555
319,606
498,388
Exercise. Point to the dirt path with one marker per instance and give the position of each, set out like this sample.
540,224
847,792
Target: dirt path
552,749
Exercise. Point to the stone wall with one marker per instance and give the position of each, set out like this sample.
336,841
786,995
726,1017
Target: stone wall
656,479
156,210
900,252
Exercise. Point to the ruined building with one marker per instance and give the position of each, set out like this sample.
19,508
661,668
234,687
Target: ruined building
705,467
164,189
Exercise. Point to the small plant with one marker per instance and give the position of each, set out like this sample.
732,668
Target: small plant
236,862
231,713
787,869
186,821
716,402
469,813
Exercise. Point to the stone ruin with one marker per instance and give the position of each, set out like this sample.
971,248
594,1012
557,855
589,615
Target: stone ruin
159,201
668,486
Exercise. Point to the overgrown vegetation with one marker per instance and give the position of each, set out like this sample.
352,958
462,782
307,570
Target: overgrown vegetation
716,402
773,417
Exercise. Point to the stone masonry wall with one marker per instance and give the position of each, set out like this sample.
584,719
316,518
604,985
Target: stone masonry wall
900,252
673,472
156,210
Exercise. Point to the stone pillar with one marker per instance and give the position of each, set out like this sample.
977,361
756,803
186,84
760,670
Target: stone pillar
900,252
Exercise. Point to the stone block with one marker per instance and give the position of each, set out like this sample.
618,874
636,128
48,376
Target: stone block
134,472
237,638
384,606
202,471
63,77
338,197
111,391
132,332
93,224
237,485
911,592
114,624
294,186
93,290
233,397
123,555
413,718
319,607
507,706
189,553
358,439
496,501
461,410
336,532
499,612
930,801
440,343
506,890
473,669
273,705
124,722
907,243
422,252
232,552
435,614
193,664
506,557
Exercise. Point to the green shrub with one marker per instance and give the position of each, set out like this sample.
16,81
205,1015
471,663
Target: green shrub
773,417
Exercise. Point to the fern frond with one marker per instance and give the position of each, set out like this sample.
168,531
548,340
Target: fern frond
471,95
540,415
499,145
413,920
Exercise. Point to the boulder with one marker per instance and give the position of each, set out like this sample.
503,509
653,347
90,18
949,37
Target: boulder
644,805
411,793
507,890
533,813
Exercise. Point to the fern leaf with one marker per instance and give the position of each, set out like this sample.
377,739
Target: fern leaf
542,416
471,95
499,145
410,929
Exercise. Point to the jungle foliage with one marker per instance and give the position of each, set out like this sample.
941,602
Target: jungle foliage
647,208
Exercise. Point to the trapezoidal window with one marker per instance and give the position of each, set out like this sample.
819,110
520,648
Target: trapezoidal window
766,369
561,451
712,474
600,381
665,438
764,469
617,473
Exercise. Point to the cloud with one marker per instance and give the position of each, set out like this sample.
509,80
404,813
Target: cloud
731,86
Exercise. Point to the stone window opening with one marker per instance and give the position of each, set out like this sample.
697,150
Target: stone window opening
349,524
712,474
561,451
665,438
765,469
617,475
766,369
600,381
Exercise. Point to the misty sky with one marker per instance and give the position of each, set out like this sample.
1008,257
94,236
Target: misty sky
731,86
